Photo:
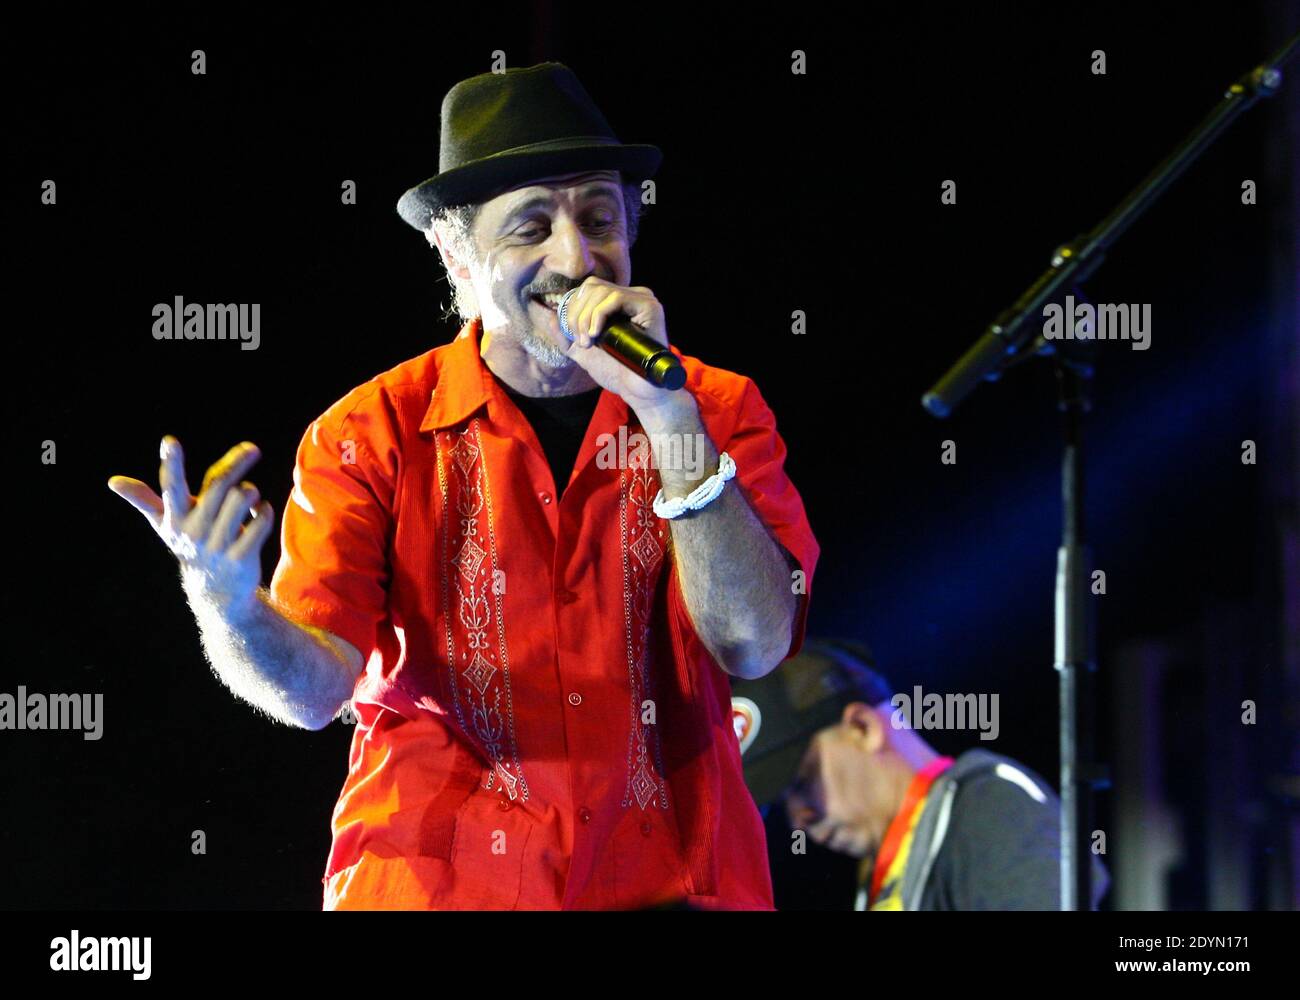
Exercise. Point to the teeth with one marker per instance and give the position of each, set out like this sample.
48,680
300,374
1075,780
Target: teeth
551,300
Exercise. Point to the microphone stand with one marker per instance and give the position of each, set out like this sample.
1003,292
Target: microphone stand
1009,340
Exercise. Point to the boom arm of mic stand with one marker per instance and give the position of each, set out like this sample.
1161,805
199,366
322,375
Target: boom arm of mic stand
1074,262
1006,335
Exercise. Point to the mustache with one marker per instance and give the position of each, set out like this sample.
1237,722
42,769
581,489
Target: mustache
559,284
553,289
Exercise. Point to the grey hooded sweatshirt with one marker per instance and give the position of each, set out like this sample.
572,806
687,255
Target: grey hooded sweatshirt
987,839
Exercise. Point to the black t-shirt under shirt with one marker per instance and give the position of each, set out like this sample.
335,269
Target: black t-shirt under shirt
560,423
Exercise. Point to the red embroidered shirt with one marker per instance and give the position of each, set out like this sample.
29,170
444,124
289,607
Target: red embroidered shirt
538,725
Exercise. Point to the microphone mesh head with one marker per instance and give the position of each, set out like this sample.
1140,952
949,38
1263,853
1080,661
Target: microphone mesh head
562,312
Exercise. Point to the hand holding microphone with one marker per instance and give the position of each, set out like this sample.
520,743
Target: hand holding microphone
621,338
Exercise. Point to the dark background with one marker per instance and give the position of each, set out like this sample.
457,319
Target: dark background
778,192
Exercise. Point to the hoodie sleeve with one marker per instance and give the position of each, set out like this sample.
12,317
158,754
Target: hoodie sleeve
1002,851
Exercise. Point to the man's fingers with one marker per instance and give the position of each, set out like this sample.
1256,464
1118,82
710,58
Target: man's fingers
220,477
256,533
171,479
227,462
593,318
233,508
139,496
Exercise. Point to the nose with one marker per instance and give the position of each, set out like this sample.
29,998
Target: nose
571,253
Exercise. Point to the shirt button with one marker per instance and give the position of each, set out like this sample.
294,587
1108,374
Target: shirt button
646,827
546,497
568,597
504,805
584,814
575,699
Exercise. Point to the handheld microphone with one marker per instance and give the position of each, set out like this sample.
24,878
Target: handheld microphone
643,354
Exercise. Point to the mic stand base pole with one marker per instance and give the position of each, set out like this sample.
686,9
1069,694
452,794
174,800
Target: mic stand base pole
1075,659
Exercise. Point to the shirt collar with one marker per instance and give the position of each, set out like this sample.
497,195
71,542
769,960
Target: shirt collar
465,384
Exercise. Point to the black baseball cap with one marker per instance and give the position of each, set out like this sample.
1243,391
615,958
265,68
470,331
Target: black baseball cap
778,714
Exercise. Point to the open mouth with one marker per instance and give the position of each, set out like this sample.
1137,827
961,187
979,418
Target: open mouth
550,303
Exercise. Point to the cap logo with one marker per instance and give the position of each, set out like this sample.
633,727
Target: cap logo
747,719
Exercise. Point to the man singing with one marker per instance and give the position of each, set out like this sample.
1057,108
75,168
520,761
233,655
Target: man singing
534,629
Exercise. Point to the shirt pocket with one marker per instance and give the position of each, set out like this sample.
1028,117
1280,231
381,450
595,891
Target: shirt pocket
487,854
485,872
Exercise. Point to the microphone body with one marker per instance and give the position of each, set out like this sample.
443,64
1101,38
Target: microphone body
643,354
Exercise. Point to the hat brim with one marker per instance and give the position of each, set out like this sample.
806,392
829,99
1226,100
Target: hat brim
769,778
480,180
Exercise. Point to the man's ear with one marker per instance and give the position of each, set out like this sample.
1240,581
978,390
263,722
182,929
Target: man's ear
867,724
453,264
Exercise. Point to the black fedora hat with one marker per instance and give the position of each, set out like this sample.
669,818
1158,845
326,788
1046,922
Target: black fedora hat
500,130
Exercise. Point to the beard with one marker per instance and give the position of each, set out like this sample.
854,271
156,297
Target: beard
542,350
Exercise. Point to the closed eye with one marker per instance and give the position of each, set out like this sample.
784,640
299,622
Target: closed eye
536,231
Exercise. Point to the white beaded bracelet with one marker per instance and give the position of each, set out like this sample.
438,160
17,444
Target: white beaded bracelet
701,496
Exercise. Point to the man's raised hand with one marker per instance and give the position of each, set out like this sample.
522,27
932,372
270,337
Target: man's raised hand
219,557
